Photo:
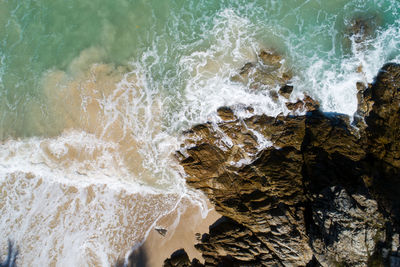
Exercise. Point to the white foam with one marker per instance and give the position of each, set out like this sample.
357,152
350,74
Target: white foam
77,211
209,86
75,199
332,80
75,226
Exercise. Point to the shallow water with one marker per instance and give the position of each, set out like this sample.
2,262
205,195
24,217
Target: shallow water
94,96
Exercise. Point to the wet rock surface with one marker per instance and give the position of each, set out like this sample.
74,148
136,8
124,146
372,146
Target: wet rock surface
307,190
359,31
268,72
286,90
303,105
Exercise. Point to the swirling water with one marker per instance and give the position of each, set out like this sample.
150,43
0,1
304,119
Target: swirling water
94,96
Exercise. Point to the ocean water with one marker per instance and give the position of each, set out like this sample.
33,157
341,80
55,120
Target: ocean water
94,96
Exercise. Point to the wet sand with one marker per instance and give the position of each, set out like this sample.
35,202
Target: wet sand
182,226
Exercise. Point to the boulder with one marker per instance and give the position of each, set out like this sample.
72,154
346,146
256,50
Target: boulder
179,259
285,91
305,105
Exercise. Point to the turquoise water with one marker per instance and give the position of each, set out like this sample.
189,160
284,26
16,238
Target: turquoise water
94,96
39,36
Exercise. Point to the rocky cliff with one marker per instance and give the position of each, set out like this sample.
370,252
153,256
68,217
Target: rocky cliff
306,190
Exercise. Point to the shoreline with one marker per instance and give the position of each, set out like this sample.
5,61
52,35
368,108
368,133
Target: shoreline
176,230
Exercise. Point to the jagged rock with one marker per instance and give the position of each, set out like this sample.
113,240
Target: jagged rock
268,194
364,99
268,72
198,236
239,246
364,105
363,28
331,153
226,113
383,120
280,131
360,29
296,106
346,226
302,190
178,259
247,193
307,104
285,91
310,104
383,133
269,58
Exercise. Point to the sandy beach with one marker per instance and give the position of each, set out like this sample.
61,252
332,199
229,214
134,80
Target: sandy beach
182,225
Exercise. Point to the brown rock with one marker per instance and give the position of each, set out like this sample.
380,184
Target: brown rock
286,90
270,58
239,245
226,113
341,219
362,28
322,195
383,133
310,104
383,120
281,131
307,104
268,72
296,106
178,259
243,75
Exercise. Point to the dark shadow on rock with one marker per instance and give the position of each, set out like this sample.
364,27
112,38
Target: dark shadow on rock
313,263
181,259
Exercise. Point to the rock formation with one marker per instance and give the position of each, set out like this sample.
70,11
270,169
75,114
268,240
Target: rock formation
180,259
310,190
268,72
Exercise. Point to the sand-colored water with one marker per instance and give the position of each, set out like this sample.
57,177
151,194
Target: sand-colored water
102,100
85,196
